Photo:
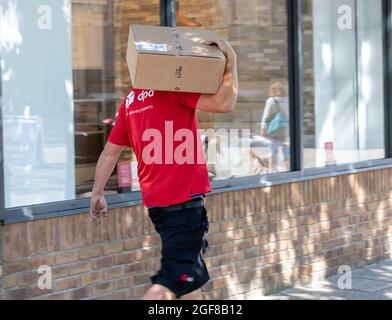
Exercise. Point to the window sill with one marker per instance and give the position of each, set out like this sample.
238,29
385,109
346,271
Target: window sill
79,206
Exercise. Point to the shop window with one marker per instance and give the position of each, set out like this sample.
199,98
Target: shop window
342,82
257,29
63,77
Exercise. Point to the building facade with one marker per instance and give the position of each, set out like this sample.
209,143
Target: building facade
282,213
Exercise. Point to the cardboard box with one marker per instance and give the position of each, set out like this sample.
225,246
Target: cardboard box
174,59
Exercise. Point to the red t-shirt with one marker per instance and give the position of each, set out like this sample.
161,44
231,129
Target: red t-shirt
161,128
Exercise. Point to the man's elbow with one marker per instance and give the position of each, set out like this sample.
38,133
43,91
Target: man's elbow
227,107
111,151
229,104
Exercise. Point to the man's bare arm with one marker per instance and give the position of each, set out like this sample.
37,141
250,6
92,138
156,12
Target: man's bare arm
105,166
224,100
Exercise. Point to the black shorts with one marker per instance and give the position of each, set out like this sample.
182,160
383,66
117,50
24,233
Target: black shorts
183,239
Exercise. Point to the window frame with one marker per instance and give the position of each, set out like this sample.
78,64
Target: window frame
297,173
387,51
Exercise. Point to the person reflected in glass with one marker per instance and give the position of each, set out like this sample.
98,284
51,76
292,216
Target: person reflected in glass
275,126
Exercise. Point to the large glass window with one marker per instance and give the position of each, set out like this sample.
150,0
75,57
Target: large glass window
63,76
101,80
257,29
343,81
37,101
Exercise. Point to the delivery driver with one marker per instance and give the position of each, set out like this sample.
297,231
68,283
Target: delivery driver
172,189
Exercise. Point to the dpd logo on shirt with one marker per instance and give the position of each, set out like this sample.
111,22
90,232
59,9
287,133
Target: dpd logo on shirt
130,99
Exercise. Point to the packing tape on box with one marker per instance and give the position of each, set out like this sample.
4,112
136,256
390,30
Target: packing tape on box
177,42
160,47
179,52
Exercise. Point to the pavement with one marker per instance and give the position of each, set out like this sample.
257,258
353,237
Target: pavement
373,282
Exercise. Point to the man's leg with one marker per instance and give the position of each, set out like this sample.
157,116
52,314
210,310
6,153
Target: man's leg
195,295
158,292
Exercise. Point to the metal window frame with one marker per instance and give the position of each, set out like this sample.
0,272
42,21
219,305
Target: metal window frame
2,192
297,173
168,12
387,44
294,38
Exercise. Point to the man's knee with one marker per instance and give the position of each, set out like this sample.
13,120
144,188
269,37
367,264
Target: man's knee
158,292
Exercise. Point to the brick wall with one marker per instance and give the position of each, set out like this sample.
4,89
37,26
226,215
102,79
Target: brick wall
262,240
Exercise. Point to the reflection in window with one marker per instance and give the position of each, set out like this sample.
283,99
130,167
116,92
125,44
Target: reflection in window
63,79
343,82
100,32
257,30
37,113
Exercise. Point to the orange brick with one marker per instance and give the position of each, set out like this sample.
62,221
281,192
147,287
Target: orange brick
136,267
23,241
81,229
219,283
10,281
126,222
67,257
151,240
97,230
103,287
13,267
142,278
89,233
71,240
11,242
91,277
80,267
114,272
153,264
66,283
43,260
81,293
132,244
112,248
123,258
60,271
125,282
27,279
38,292
7,247
60,296
90,252
103,262
17,294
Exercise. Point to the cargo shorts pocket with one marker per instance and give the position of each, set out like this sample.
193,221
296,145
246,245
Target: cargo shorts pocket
175,221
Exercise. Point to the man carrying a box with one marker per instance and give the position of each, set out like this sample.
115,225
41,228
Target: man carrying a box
173,189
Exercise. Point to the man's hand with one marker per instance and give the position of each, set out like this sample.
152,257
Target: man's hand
227,49
105,166
224,100
98,207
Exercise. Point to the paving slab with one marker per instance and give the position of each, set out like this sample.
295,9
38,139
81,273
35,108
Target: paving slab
373,282
360,283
